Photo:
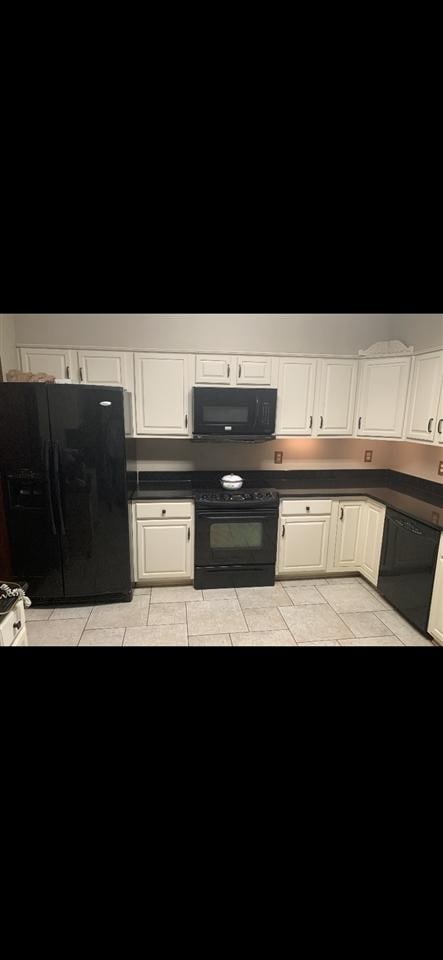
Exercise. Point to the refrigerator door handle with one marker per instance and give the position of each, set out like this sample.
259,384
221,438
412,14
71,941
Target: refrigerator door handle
58,496
49,486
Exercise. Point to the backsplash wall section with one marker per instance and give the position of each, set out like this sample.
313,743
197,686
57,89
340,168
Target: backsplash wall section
298,454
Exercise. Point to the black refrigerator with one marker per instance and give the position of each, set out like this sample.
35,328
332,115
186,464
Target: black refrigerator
64,522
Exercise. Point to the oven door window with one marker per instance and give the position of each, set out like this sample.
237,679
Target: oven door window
237,536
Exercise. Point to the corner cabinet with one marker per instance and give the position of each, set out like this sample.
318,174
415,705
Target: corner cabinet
382,396
163,538
162,394
295,402
370,539
346,520
423,417
435,625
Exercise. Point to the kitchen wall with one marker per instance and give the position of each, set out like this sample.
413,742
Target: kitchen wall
423,330
416,458
205,332
298,454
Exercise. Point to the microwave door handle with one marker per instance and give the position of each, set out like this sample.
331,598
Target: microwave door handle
257,411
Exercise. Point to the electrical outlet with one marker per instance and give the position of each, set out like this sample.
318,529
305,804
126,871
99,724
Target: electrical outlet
368,456
278,456
440,468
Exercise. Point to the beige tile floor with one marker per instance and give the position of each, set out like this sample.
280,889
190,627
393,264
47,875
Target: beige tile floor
328,612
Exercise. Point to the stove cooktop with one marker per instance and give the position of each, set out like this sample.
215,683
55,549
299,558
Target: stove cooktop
260,497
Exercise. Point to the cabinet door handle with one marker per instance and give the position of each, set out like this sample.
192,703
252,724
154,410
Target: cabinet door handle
321,423
310,423
439,425
283,530
81,374
186,420
430,424
16,626
229,370
189,533
239,371
359,423
67,372
341,513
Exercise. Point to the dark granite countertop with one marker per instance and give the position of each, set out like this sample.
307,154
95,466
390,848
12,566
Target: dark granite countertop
419,499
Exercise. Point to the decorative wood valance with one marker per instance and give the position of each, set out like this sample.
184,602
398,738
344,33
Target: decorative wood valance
385,348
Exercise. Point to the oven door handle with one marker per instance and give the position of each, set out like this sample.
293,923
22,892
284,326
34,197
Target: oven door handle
238,515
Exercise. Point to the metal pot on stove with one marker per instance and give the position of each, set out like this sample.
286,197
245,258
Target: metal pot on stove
232,482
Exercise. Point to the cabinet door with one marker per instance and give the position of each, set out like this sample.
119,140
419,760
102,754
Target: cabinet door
435,626
348,529
303,544
384,384
296,397
338,381
424,395
370,539
162,394
59,363
214,369
439,426
106,368
254,370
164,550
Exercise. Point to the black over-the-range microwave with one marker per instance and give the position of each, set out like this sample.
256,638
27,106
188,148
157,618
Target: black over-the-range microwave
227,413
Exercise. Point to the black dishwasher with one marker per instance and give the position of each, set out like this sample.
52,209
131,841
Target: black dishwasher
407,566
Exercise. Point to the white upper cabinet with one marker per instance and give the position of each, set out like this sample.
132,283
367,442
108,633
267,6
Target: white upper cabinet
382,396
213,369
162,394
59,363
106,368
295,401
235,371
256,371
427,373
336,404
439,427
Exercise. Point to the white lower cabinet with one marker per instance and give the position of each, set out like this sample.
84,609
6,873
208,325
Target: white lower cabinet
370,539
348,514
13,627
303,536
435,625
163,542
320,536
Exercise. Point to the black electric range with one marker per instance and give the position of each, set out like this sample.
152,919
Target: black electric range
235,537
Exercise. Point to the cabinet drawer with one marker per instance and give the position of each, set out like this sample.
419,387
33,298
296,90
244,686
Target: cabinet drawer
8,627
296,508
164,510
